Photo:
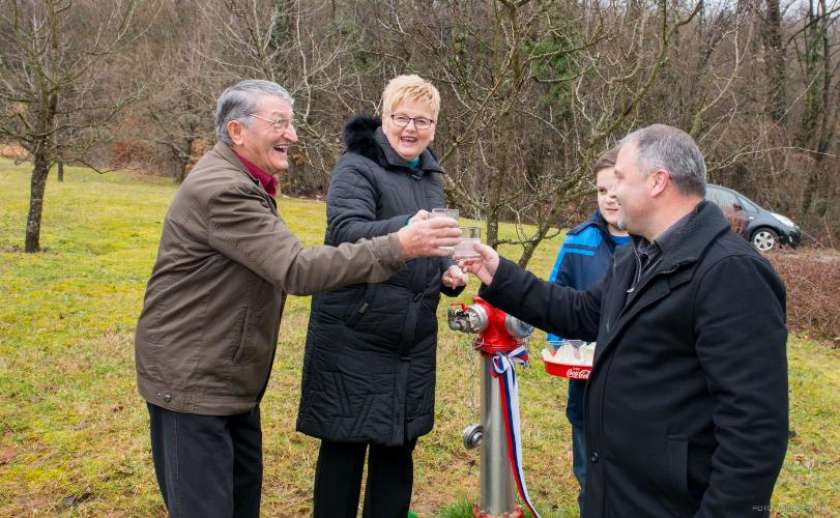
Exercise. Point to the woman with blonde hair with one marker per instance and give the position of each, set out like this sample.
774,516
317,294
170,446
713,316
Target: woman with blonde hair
369,368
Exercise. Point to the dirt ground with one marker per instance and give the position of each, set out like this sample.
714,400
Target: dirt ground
823,255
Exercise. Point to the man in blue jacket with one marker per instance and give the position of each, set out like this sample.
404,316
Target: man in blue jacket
583,260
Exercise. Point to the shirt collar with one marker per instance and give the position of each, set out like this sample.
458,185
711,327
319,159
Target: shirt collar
665,242
672,234
266,180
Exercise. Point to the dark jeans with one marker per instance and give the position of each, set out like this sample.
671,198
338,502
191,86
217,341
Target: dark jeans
574,412
208,466
579,460
338,480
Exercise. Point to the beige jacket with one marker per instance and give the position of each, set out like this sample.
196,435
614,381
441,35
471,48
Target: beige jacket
207,334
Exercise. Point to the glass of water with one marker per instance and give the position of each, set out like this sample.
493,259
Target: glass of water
443,212
464,249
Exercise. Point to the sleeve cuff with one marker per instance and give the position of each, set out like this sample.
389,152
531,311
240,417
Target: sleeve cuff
394,252
498,283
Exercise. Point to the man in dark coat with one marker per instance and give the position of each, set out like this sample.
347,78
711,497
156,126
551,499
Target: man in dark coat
369,368
687,404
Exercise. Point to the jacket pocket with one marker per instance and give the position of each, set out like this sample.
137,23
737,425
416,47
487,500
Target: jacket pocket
239,336
677,449
362,307
157,320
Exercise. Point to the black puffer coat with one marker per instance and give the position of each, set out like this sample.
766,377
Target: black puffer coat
369,367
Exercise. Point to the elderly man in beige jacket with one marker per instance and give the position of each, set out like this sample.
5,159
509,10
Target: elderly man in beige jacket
208,331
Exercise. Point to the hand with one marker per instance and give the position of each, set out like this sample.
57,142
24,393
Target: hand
454,277
426,237
421,215
483,267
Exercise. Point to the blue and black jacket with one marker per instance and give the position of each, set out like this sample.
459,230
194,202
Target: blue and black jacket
582,261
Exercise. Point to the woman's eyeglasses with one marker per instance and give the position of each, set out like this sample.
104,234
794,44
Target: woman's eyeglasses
421,123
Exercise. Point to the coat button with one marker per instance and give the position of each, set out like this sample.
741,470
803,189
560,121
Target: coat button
594,458
167,397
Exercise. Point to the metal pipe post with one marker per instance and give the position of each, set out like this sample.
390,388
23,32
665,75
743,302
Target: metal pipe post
497,497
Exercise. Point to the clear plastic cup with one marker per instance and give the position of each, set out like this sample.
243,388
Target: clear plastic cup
464,250
443,212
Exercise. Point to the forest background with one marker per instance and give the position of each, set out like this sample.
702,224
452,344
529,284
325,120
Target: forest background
533,91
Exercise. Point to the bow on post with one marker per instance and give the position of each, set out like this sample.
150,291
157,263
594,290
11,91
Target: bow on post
503,370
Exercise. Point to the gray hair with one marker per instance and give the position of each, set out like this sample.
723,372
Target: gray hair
666,147
241,99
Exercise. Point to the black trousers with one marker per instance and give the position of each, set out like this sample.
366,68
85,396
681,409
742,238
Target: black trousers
208,466
338,480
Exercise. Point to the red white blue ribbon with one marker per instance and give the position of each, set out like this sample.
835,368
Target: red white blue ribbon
503,371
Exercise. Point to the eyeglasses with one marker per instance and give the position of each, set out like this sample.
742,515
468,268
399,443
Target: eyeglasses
421,123
278,124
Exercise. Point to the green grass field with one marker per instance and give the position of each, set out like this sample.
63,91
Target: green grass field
73,431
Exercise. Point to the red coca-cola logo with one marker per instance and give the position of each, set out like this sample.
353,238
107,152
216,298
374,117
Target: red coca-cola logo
578,373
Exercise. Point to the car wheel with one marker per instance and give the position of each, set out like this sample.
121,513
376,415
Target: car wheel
765,239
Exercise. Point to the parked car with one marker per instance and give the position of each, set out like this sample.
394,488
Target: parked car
765,229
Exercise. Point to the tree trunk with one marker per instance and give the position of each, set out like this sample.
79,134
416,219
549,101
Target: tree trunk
183,159
40,171
818,120
775,62
60,170
531,247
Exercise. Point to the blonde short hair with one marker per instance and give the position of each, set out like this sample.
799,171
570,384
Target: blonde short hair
410,87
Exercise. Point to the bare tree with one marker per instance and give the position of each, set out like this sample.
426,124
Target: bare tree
775,62
819,117
52,95
187,84
534,92
300,45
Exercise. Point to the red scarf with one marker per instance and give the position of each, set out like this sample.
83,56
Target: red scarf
268,182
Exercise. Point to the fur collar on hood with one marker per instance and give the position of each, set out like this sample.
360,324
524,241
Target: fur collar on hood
358,136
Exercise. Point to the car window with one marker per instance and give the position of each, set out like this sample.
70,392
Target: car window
747,204
723,199
712,195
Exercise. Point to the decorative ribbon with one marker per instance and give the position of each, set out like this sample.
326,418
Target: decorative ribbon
503,370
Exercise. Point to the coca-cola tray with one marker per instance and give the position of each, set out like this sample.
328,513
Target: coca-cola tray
558,364
565,370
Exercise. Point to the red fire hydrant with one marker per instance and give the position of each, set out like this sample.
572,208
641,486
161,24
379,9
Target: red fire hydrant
499,334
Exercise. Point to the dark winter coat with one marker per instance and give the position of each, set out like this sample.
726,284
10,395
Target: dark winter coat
687,404
369,366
